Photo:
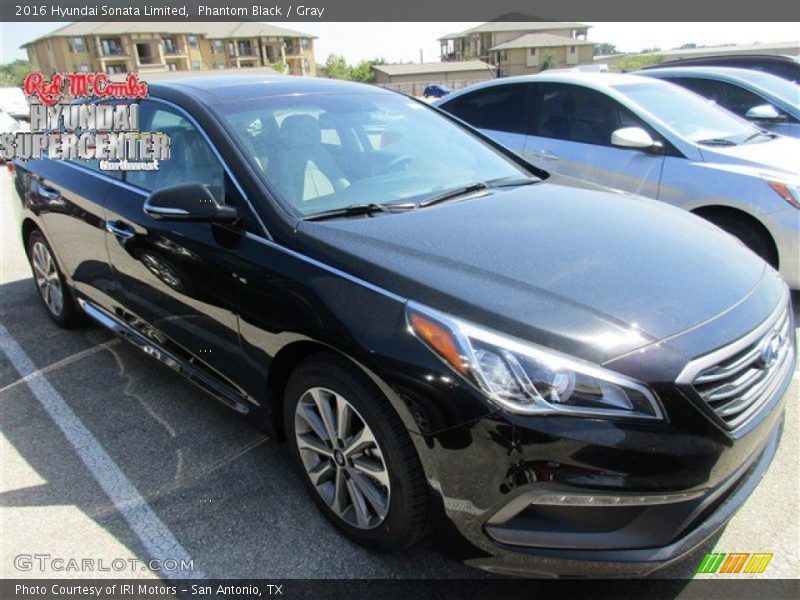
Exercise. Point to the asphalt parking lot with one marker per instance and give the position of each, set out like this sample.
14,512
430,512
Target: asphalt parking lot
108,455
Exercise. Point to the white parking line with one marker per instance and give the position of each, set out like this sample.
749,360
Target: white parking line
156,538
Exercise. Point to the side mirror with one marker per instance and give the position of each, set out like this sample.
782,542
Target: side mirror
188,202
633,137
764,112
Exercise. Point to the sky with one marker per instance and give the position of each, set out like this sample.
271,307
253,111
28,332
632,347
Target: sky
403,42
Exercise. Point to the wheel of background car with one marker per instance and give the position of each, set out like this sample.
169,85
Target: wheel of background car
750,235
355,455
395,163
50,283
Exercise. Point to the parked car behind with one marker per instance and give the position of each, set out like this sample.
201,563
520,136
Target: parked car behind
652,138
14,102
765,100
436,91
557,377
785,67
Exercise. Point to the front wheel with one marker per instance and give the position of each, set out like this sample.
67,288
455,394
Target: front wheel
355,455
752,236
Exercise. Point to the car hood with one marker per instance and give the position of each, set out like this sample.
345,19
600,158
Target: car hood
592,273
777,155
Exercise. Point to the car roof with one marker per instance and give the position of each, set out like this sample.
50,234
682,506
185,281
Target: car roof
596,80
732,73
217,89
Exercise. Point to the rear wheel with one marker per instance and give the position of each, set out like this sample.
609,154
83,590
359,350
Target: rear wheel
50,283
355,455
750,234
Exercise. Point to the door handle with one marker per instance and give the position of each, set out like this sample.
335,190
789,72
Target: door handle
545,154
46,192
120,229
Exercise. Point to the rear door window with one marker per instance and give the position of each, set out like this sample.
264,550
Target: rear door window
499,108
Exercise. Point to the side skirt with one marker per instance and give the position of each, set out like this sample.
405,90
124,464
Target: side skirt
206,381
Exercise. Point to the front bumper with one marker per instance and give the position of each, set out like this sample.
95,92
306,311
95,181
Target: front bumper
573,496
518,554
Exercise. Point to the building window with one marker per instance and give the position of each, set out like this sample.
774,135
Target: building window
572,48
172,67
533,52
111,47
217,46
304,43
245,48
192,41
112,69
76,44
83,68
170,47
195,65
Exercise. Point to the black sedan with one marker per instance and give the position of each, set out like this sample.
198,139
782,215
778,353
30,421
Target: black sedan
557,378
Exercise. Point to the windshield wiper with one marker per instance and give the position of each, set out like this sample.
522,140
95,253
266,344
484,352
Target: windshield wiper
453,193
717,142
511,181
759,134
358,210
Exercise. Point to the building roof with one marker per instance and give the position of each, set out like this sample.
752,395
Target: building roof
433,67
541,40
530,26
245,29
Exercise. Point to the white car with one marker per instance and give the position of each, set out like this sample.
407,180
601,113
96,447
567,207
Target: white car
9,124
14,102
653,138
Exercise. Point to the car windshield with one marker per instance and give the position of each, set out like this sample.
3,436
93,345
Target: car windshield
328,152
782,88
690,115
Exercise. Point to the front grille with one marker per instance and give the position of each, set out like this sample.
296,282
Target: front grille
741,381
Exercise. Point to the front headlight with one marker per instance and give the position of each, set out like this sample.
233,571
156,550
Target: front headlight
524,378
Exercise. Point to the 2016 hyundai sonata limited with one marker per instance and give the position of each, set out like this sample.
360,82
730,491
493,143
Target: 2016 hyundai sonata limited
551,377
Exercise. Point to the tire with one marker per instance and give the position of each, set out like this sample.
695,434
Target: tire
51,286
751,235
400,519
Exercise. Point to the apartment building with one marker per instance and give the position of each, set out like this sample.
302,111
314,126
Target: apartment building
521,47
115,47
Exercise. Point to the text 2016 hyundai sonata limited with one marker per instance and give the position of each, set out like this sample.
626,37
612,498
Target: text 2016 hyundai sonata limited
454,345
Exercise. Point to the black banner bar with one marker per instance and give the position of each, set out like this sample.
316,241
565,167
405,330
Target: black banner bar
399,10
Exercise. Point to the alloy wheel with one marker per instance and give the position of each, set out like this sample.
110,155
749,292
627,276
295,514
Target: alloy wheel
47,280
342,458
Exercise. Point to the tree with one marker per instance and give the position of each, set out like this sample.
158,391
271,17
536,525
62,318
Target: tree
637,61
604,49
279,66
688,46
363,71
13,74
547,62
336,67
650,50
